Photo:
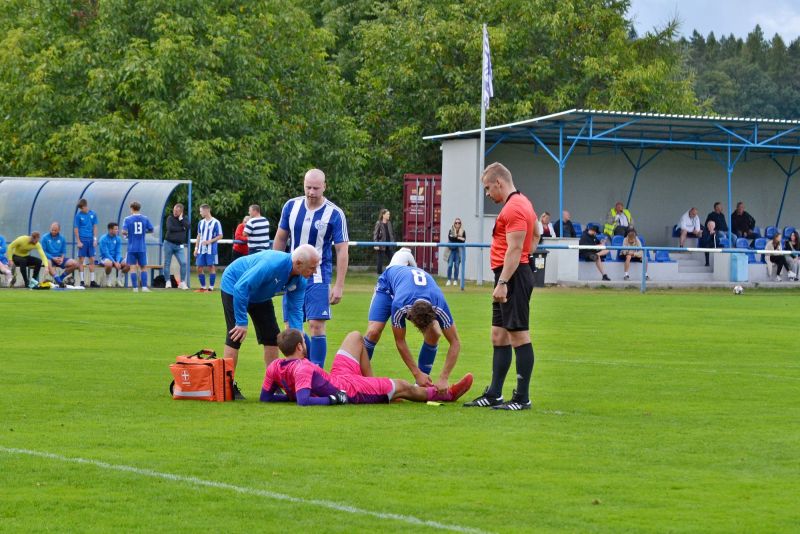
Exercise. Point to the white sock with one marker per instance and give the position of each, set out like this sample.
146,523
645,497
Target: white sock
91,275
626,273
81,275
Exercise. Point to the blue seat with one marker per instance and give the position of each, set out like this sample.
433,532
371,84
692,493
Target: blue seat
788,231
676,231
724,242
662,256
742,242
761,244
770,231
596,225
578,229
641,239
757,232
616,241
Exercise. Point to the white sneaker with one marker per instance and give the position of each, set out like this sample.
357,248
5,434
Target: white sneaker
145,289
777,278
626,277
120,283
168,285
110,282
792,276
183,285
135,289
448,283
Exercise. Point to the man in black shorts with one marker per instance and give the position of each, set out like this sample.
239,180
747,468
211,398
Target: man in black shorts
248,285
513,238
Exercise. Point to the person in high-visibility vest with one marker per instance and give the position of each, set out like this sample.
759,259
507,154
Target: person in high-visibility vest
618,221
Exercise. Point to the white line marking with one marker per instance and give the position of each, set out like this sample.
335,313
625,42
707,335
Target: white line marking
411,520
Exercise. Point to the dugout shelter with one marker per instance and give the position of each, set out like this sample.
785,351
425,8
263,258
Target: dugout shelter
658,165
32,204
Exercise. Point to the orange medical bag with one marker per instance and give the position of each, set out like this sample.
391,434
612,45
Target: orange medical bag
202,376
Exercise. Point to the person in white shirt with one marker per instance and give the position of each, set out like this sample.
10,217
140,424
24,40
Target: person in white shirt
690,225
546,228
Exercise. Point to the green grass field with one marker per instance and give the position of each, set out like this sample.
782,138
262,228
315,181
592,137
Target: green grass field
670,411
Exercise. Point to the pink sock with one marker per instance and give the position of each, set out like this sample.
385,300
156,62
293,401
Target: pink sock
433,395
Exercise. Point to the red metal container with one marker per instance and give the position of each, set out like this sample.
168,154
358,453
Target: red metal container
422,210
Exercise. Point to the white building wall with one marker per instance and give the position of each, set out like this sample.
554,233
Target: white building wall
668,186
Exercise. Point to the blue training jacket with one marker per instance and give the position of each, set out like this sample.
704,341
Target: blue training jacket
259,277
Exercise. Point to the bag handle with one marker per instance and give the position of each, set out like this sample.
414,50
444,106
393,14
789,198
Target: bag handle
211,355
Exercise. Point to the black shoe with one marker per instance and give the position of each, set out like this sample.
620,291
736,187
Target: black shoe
484,401
94,284
83,284
516,403
606,278
237,395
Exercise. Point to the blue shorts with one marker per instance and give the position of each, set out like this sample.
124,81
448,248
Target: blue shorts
380,309
316,304
86,251
136,257
206,260
62,264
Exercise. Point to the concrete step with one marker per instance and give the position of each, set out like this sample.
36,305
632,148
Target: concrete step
696,277
693,268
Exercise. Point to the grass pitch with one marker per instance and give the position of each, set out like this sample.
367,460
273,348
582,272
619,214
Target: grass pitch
670,411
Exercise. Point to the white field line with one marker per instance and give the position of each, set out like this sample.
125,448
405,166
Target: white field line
656,366
194,481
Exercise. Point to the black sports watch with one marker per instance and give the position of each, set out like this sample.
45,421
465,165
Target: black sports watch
501,282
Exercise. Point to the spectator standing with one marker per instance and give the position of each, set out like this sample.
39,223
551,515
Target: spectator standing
257,231
55,248
710,237
175,245
778,260
240,249
618,221
111,255
455,235
742,223
85,228
566,222
718,216
631,255
383,232
134,228
209,231
9,276
19,255
314,220
514,237
589,239
689,225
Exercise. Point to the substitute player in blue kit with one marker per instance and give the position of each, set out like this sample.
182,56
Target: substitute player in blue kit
314,220
134,228
405,292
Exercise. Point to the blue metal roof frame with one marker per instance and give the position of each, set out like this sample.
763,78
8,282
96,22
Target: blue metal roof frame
726,139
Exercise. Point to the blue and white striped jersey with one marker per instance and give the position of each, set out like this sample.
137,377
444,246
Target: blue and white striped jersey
208,229
321,228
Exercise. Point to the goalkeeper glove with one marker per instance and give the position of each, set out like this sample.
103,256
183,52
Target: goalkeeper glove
340,397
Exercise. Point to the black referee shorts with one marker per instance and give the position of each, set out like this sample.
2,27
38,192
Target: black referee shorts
264,321
514,314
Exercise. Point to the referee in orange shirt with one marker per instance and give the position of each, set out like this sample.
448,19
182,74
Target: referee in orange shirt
513,238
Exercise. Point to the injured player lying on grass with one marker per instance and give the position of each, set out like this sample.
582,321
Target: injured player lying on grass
295,378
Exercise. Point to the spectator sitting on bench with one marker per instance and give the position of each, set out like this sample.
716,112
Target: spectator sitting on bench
793,244
710,238
545,227
9,277
55,248
689,225
566,221
618,220
111,255
777,260
589,238
631,240
718,216
742,222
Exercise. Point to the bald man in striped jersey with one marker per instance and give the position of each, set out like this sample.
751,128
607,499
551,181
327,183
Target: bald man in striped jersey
314,220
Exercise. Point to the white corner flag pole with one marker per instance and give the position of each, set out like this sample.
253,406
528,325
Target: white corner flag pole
487,92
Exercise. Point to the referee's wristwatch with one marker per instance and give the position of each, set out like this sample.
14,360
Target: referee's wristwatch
501,282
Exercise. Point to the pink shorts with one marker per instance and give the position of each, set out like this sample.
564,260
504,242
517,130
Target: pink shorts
346,375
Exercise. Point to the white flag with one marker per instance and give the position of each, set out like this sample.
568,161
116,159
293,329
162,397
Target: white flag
488,91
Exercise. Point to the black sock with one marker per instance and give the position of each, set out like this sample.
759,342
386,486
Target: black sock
524,371
501,362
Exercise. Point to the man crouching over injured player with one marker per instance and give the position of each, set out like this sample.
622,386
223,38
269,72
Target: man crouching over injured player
295,378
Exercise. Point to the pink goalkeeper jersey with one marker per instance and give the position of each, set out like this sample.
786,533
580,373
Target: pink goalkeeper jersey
295,374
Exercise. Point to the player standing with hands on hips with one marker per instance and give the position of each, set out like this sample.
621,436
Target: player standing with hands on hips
314,220
513,238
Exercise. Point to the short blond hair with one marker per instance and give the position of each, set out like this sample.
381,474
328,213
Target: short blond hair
496,171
